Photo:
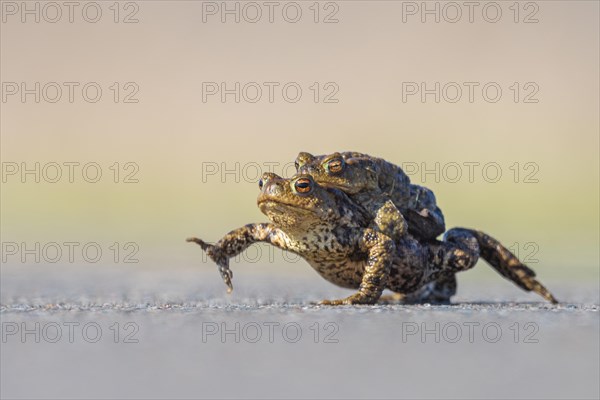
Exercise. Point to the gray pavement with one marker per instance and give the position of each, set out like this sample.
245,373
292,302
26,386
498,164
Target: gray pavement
108,333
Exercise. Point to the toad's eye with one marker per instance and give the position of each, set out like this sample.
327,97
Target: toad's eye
335,166
260,184
303,185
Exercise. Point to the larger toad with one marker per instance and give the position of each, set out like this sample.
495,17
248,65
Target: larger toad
333,234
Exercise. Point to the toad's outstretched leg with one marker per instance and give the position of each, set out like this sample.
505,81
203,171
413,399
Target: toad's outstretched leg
501,259
237,241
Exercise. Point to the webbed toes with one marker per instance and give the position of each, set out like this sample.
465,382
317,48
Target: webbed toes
215,254
199,242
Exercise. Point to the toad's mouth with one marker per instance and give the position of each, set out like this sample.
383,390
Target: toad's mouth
268,203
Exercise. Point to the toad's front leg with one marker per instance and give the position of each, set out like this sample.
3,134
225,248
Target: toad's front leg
381,251
389,221
236,242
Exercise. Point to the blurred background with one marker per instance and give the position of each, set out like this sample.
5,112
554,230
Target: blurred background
197,162
179,108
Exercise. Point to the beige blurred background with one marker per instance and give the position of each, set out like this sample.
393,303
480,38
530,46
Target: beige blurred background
175,138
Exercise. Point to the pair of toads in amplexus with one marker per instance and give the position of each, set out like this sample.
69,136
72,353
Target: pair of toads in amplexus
361,224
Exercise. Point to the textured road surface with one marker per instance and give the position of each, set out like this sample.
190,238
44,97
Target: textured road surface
176,334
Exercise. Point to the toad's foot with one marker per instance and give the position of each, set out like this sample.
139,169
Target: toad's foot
357,298
222,261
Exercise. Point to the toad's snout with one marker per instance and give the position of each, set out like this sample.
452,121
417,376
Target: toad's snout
271,184
272,188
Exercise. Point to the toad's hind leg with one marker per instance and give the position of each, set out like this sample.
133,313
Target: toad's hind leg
500,258
459,252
